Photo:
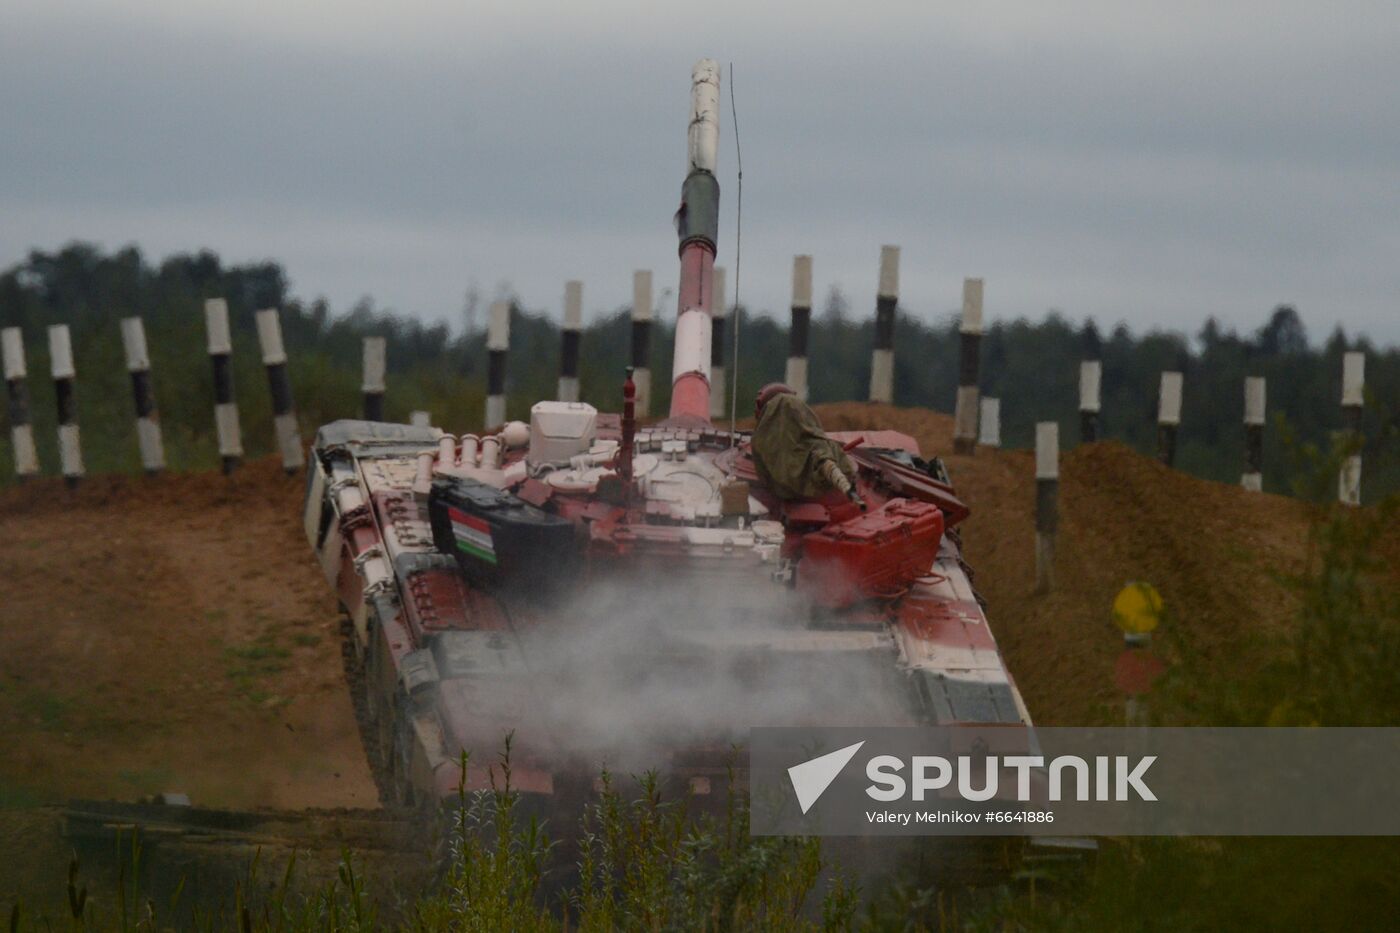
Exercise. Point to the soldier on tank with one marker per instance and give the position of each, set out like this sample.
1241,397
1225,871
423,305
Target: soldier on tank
792,454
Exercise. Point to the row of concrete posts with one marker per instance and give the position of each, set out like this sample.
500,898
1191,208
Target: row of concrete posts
976,418
1169,398
150,444
1047,444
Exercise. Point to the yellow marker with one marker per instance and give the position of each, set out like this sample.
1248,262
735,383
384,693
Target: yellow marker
1137,608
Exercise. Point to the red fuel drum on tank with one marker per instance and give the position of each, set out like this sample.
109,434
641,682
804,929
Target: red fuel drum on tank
875,554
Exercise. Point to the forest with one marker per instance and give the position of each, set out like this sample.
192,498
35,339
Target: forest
1032,366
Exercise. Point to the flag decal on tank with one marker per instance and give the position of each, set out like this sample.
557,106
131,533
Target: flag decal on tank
473,535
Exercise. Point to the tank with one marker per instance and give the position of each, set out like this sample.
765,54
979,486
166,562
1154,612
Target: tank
598,592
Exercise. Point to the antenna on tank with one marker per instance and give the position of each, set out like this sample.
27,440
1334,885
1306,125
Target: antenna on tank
738,244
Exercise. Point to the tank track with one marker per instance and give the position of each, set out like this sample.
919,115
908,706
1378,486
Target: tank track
370,740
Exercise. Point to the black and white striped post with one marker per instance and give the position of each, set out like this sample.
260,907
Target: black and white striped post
17,398
1253,476
989,422
966,410
138,364
373,368
225,408
497,346
1047,506
886,301
284,415
1168,416
571,333
70,450
1090,376
719,313
641,340
1353,398
796,374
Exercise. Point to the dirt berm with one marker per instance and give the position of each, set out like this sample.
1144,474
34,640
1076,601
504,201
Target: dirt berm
173,633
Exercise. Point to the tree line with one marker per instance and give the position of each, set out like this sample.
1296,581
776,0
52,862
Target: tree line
1032,366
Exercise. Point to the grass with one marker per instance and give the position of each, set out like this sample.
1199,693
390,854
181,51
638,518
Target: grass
644,862
147,780
49,710
262,656
72,711
18,796
249,665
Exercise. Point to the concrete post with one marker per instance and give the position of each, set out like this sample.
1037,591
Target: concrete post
374,365
138,364
17,396
420,419
70,451
989,423
1090,375
1047,492
570,335
284,415
497,344
641,340
1353,397
1168,416
796,374
225,408
965,410
1253,477
886,301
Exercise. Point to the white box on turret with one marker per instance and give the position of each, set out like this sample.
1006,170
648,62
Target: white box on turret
560,430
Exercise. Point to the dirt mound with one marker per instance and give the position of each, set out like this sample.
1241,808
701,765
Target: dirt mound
174,633
171,633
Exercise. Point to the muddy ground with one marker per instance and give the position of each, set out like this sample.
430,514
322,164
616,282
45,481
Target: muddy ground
171,634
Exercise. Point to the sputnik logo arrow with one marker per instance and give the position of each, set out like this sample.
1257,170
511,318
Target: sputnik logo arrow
811,778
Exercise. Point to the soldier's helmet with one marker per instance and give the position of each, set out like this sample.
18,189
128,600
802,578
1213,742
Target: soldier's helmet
769,392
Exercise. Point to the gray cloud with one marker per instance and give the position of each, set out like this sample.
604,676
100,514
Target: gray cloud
1153,164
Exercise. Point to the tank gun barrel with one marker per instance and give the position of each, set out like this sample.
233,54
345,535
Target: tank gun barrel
697,225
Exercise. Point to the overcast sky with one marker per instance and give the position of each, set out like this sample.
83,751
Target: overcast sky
1151,163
